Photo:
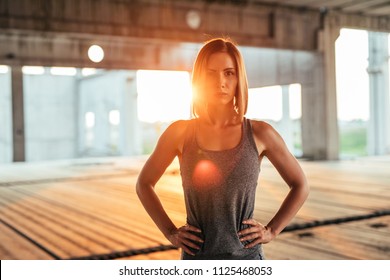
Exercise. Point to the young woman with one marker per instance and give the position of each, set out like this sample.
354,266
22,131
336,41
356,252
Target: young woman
220,152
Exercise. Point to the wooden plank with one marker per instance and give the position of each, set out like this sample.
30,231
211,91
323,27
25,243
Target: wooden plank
355,240
86,225
102,213
14,247
101,205
80,234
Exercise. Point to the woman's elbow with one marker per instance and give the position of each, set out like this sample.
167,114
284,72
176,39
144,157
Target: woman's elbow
139,188
142,188
302,187
305,189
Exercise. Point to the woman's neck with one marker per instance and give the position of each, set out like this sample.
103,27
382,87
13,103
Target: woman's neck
222,117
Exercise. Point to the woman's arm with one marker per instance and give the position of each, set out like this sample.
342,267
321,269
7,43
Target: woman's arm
168,147
273,147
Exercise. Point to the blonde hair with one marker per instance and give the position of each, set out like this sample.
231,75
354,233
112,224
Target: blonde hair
199,104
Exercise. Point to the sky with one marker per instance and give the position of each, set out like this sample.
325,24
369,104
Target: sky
351,75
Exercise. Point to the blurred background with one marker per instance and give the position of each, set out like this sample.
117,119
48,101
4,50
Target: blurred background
94,78
72,112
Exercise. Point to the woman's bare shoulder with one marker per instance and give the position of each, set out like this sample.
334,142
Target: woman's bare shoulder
265,134
261,128
175,133
178,127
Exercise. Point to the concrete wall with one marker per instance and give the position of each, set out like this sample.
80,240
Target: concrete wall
252,24
55,108
101,94
267,67
50,112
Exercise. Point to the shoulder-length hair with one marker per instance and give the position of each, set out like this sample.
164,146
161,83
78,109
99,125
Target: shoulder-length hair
199,99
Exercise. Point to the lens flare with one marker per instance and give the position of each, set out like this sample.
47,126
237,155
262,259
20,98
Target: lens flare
206,174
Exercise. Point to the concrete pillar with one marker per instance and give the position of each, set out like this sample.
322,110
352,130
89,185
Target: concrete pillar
313,131
320,135
331,33
132,126
286,125
378,140
18,114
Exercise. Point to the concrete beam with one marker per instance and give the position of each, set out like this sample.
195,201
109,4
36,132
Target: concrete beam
178,21
356,21
49,49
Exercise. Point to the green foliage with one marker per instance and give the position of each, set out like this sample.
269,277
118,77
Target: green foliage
353,139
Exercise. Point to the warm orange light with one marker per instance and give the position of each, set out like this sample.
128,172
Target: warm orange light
163,96
206,174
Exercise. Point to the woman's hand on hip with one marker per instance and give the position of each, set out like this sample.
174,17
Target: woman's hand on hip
183,237
256,232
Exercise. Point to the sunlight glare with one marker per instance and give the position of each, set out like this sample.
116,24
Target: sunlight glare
351,74
33,70
88,71
114,117
295,101
265,103
89,119
4,69
63,71
163,96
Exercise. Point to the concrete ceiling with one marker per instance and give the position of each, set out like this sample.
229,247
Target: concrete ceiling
361,7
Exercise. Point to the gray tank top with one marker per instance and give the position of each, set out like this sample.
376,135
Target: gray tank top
219,192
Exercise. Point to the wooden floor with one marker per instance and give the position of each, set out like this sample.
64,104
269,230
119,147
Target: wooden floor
89,209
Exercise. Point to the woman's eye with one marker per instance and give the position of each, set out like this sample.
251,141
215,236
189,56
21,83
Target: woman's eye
230,73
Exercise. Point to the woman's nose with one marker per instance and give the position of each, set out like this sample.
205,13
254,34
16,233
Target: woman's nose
221,81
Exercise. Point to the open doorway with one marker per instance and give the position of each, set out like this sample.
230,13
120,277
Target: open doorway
281,107
352,92
362,73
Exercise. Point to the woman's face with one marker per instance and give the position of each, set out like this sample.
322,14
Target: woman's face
221,79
